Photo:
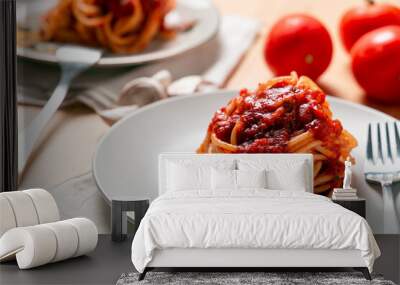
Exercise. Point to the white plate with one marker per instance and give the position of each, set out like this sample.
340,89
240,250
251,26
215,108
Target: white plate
203,11
126,159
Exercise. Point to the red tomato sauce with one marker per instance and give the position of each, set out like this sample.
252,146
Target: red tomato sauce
269,118
123,8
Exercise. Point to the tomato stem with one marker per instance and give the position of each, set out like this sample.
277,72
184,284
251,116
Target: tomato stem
371,2
309,58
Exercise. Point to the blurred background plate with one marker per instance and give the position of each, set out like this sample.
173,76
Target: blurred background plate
205,14
126,159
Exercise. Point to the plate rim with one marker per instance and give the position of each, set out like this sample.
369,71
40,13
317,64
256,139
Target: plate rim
132,59
189,97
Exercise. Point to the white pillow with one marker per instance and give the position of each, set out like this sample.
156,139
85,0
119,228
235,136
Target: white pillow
193,173
281,174
251,178
187,177
227,179
293,179
223,179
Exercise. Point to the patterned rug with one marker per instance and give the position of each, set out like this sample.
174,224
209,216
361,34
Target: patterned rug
243,278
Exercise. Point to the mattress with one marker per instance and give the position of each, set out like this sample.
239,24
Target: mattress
252,219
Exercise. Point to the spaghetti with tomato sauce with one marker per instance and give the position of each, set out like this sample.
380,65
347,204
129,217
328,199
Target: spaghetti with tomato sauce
285,115
122,26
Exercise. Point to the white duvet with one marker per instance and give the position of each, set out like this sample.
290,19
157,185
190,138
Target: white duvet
250,219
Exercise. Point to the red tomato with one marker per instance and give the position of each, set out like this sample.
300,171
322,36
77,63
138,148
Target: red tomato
298,43
360,20
376,63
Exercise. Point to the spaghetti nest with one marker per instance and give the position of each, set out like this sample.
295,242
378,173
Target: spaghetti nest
284,115
122,26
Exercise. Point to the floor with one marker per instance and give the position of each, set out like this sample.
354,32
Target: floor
389,262
110,260
103,266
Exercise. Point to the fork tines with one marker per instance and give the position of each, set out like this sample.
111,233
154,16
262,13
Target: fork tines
383,143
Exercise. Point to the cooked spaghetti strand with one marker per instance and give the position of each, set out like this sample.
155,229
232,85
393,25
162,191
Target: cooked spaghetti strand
284,115
120,26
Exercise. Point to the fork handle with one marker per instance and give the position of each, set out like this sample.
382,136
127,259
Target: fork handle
28,137
391,221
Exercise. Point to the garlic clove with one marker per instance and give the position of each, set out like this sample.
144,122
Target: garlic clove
185,85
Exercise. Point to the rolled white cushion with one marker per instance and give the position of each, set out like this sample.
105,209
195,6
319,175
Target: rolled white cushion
27,208
87,234
7,218
23,208
40,244
67,240
33,246
46,207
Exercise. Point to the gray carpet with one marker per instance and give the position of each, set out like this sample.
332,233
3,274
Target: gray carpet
269,278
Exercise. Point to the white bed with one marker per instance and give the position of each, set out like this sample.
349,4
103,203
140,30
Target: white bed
248,227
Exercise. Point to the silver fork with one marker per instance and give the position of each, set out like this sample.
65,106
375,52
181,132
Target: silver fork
73,60
382,165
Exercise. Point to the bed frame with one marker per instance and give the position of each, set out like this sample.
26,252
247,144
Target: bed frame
242,259
238,259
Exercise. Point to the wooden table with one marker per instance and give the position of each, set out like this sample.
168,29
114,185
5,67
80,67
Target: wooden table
337,80
67,147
